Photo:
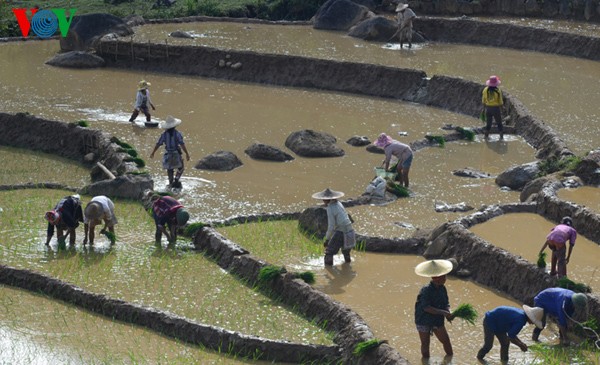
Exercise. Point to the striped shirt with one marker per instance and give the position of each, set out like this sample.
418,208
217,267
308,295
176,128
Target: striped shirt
172,141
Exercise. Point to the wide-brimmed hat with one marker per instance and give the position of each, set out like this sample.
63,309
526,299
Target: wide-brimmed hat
535,314
493,81
383,140
433,268
93,211
143,85
401,7
579,300
170,123
328,194
52,216
182,216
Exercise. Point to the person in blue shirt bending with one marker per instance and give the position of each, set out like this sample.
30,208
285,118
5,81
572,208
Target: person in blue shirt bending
505,323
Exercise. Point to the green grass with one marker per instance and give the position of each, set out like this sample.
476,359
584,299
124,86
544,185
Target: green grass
467,312
552,165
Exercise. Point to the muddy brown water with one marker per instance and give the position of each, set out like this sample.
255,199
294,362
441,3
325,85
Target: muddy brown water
220,115
588,196
524,234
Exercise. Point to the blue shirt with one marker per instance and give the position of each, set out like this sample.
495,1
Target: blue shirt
504,319
172,139
552,300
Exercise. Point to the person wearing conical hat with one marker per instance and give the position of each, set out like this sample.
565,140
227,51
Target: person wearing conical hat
340,233
404,18
433,305
561,305
142,100
557,242
492,101
172,159
99,209
65,216
167,211
505,323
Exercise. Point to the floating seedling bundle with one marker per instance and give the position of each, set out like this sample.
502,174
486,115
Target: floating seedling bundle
467,312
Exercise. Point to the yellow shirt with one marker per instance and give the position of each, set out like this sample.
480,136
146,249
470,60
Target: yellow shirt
493,98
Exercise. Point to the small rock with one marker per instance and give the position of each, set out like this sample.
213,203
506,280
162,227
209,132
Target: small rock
221,63
89,157
236,65
358,141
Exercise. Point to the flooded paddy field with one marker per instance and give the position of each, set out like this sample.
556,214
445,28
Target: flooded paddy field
588,196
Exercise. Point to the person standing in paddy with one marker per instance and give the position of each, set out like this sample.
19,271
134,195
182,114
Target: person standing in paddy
433,306
557,241
401,151
340,234
492,101
405,24
142,100
65,216
172,159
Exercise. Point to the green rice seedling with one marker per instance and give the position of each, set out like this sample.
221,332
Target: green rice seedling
110,235
467,133
397,189
132,152
467,312
191,229
541,261
482,116
83,123
270,273
567,283
362,348
142,172
122,144
307,276
139,162
437,139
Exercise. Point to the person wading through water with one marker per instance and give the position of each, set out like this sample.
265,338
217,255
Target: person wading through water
340,233
173,141
142,100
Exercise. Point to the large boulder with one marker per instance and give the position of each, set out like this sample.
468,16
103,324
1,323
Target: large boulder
309,143
589,168
378,28
125,186
339,15
313,221
86,29
76,59
517,176
261,151
220,161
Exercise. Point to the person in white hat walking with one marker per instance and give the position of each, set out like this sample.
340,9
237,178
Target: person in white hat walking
142,100
405,17
65,216
172,159
340,234
433,306
505,323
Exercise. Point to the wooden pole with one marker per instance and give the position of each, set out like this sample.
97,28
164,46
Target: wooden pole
106,171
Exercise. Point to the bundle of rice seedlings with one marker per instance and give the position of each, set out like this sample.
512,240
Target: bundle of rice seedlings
132,152
362,347
397,189
467,312
62,243
591,323
567,283
467,133
83,123
111,236
270,273
541,261
191,229
139,162
437,139
122,144
307,276
482,116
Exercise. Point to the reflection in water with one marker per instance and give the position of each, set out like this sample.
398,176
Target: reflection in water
338,278
500,147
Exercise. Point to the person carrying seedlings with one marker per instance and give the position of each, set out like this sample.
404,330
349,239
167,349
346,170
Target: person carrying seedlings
142,100
404,18
433,306
173,141
492,100
561,304
65,216
168,211
401,151
99,209
340,234
557,242
505,323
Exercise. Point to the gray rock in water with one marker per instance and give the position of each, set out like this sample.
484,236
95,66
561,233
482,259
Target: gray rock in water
180,34
220,161
358,141
374,149
261,151
472,173
378,28
309,143
313,220
76,59
339,15
459,207
516,177
125,186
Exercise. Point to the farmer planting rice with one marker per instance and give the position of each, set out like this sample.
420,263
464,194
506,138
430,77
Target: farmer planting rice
99,209
401,151
142,100
340,234
433,306
65,216
173,141
505,323
557,241
168,211
561,304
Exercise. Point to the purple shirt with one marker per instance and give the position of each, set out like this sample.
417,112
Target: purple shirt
562,233
504,319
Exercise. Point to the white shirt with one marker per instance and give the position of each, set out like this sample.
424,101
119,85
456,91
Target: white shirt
108,208
337,219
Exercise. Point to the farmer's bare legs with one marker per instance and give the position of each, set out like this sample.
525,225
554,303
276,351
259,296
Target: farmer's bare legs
425,340
403,173
442,335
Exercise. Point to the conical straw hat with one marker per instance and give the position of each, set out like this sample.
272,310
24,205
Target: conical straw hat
433,268
328,194
535,314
